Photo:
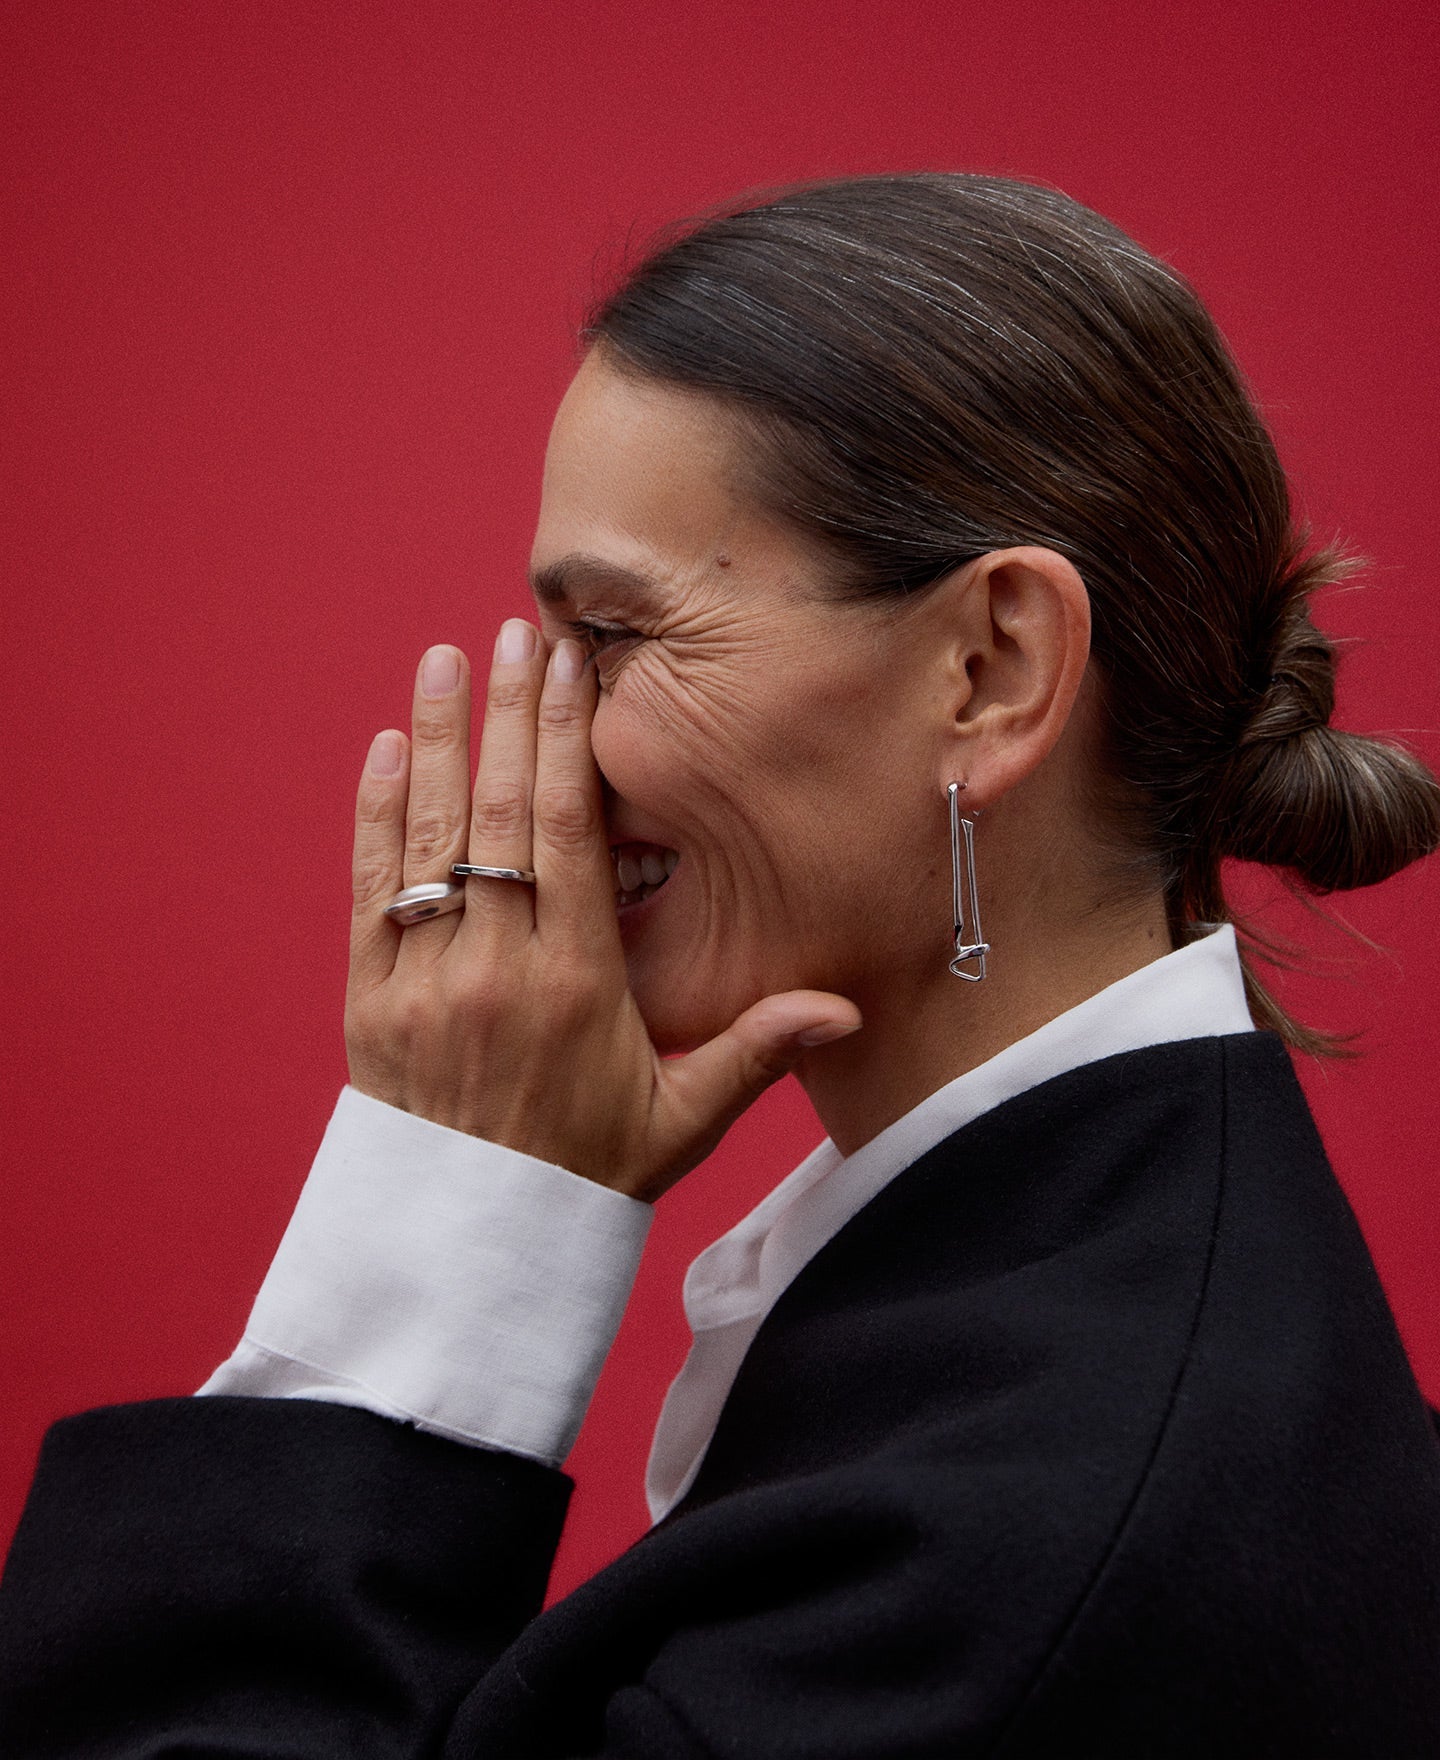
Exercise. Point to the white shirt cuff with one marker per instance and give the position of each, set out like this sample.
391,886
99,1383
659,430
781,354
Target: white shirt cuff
454,1283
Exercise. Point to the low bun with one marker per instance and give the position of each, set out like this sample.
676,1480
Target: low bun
1336,809
1339,810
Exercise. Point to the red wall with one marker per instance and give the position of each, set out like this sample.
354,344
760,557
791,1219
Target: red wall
290,290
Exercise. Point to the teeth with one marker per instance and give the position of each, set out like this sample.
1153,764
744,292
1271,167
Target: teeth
640,892
641,869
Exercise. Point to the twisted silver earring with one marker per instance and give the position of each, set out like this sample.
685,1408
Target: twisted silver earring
963,871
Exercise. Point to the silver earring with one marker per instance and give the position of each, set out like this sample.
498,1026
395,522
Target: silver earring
963,871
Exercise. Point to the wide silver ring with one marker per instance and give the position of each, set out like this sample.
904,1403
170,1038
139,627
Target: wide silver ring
467,870
433,899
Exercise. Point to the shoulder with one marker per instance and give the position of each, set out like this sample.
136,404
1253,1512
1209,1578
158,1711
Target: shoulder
1108,1373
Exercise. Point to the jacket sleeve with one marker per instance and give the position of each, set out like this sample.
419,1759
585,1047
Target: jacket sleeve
277,1578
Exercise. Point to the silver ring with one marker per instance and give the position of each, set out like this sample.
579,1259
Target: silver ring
465,870
416,903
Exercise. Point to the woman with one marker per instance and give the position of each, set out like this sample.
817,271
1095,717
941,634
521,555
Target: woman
896,535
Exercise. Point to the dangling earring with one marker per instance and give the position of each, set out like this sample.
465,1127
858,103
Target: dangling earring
965,871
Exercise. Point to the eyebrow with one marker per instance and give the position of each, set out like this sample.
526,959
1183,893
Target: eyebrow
569,576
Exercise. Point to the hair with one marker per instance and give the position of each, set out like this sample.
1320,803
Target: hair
934,366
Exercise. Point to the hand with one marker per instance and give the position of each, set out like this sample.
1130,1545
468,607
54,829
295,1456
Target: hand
513,1019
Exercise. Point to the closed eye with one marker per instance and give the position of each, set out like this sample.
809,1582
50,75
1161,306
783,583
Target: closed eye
603,638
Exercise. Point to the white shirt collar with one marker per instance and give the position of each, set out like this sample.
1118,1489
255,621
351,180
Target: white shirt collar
1195,992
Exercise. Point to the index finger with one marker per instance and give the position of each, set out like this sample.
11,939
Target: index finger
574,879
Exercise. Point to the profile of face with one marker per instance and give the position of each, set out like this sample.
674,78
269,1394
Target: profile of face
777,753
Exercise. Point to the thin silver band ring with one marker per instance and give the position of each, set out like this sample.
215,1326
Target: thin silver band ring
469,870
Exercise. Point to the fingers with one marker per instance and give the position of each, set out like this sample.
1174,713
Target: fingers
437,815
575,889
537,803
379,862
505,779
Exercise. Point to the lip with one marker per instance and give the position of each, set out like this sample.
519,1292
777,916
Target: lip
628,833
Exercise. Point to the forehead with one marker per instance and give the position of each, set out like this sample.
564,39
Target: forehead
639,477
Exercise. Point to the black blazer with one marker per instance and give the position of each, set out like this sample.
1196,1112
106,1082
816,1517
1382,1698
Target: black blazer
1091,1435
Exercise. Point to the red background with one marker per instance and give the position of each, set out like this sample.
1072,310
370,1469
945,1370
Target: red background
290,291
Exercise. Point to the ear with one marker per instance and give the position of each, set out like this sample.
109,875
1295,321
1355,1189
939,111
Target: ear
1018,640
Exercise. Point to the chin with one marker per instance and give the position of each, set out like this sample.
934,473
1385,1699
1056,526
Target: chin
685,994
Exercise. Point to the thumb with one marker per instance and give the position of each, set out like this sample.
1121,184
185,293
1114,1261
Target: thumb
711,1086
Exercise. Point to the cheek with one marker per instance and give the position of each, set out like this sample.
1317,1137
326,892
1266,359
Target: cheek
685,750
774,795
649,764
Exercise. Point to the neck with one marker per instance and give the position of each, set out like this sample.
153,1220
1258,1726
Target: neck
920,1035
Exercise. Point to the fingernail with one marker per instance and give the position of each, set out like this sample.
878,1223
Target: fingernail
516,641
568,661
826,1032
387,754
440,672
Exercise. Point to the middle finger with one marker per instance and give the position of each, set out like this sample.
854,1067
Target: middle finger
500,826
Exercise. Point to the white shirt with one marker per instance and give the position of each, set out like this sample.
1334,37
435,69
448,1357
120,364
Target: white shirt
475,1291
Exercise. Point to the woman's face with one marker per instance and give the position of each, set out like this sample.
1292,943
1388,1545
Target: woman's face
781,744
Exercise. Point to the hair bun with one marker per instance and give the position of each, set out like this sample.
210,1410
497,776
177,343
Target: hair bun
1339,810
1300,693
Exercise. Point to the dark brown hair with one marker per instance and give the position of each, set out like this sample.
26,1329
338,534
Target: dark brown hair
933,366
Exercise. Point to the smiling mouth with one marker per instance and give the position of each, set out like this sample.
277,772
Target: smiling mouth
640,870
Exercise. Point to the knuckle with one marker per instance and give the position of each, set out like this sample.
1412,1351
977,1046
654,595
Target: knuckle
409,1016
370,878
373,814
508,696
565,812
429,835
479,1011
369,1032
765,1065
559,714
501,809
432,731
413,1017
377,814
